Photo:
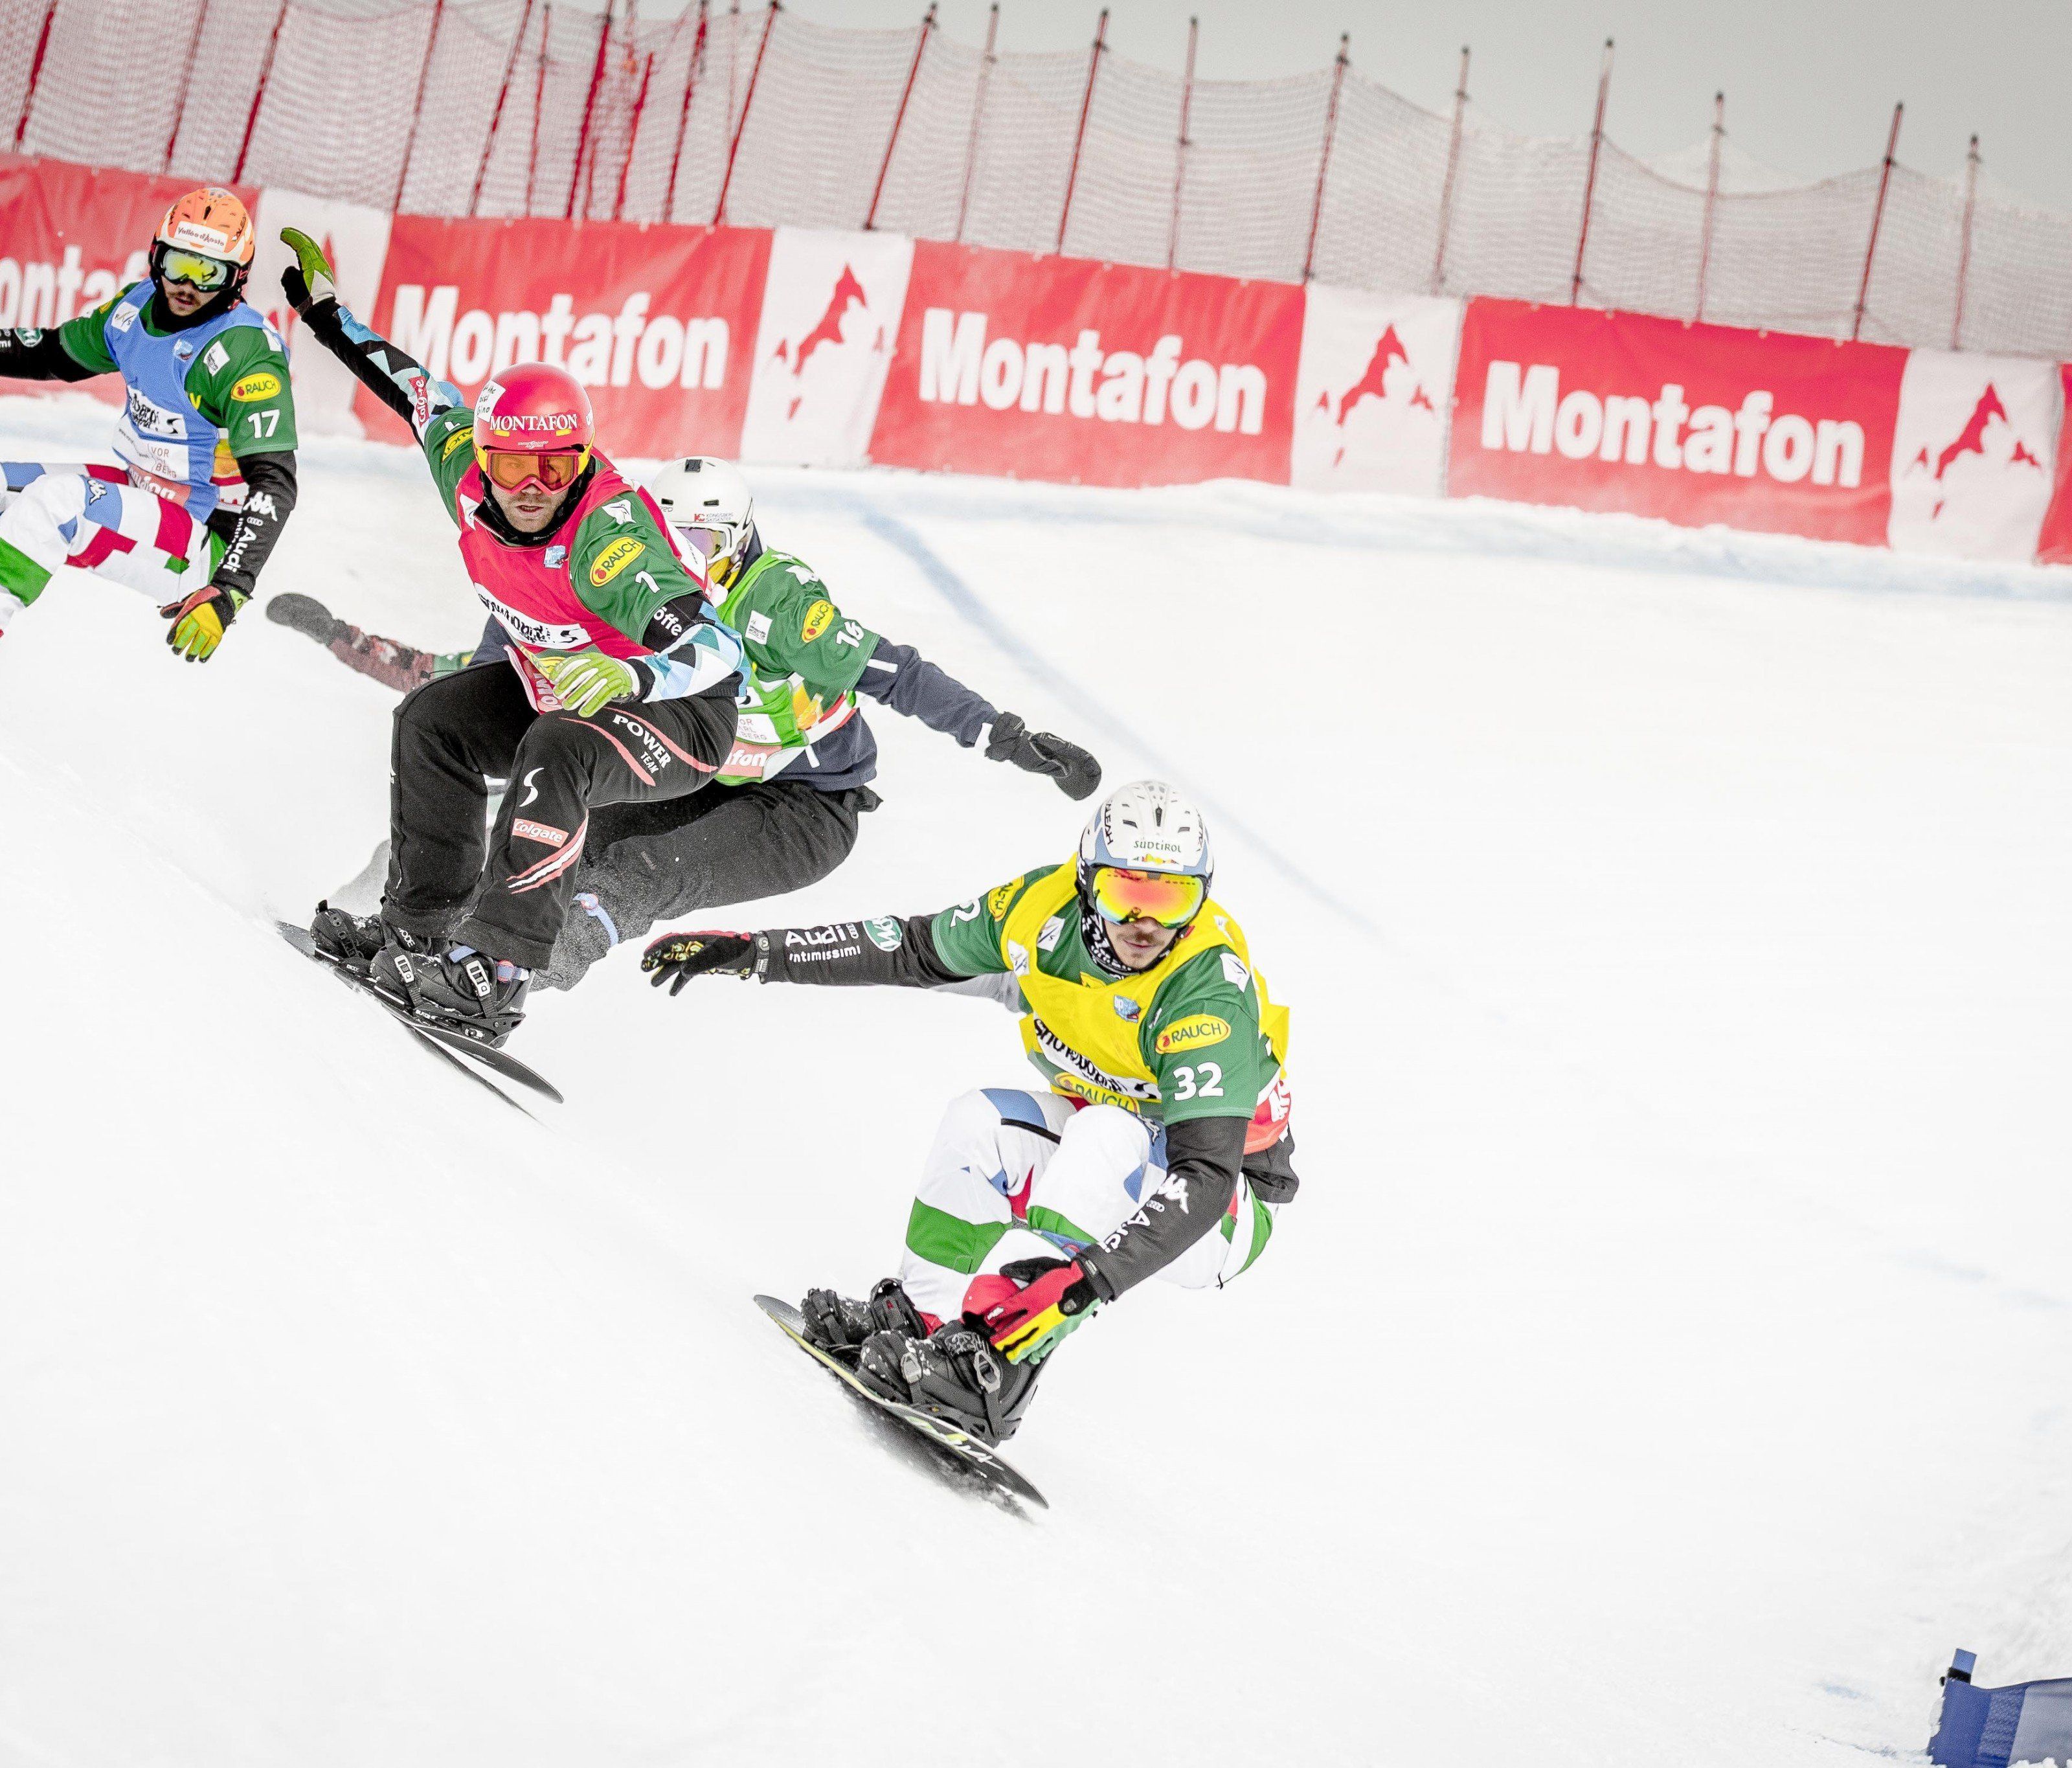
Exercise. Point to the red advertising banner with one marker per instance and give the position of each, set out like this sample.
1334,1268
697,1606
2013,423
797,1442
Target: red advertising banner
70,237
1096,374
2055,546
1695,424
658,322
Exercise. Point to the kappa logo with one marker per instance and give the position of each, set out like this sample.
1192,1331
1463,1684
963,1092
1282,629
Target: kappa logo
1373,383
525,829
1197,1028
1988,433
849,295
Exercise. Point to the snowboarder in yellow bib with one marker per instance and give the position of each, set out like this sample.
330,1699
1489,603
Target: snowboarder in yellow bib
1159,1148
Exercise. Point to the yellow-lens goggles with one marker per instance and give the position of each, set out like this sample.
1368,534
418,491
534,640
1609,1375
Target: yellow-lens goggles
1169,898
191,267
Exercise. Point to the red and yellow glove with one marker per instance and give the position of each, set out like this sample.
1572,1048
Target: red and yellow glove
200,620
1029,1305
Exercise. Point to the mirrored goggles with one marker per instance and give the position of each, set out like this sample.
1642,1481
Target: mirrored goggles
512,471
176,265
702,541
1169,898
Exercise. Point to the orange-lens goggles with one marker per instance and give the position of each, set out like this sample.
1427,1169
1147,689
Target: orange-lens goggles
557,471
1167,897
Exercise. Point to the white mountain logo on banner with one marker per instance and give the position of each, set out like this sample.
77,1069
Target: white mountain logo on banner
1982,435
1373,383
848,292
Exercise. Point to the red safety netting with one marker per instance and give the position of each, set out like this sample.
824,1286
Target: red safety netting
703,112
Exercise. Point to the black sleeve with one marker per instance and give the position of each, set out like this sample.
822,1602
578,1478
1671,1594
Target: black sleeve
270,494
384,369
905,680
35,355
1202,1157
842,954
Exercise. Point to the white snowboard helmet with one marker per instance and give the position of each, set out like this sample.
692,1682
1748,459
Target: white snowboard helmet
707,501
1145,828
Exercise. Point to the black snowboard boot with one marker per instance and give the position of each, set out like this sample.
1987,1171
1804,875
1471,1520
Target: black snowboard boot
952,1374
351,941
839,1325
461,994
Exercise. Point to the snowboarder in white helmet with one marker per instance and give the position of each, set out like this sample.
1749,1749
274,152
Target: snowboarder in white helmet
798,780
206,443
1159,1147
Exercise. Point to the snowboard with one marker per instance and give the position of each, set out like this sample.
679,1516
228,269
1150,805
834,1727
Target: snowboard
969,1461
470,1056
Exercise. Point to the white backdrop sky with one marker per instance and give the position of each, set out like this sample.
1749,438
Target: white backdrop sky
1810,84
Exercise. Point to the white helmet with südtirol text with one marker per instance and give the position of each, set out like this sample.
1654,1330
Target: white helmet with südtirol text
1148,826
1144,853
707,502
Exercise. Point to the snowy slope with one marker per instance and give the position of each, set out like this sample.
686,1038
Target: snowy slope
1664,1361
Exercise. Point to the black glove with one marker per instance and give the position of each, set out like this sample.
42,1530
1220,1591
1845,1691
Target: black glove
1077,773
305,614
676,957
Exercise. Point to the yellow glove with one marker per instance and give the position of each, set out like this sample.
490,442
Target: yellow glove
587,681
199,621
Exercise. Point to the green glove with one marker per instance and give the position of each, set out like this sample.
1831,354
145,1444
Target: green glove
308,280
589,681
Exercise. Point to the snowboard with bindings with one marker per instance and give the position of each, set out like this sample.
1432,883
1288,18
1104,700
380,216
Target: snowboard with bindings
468,1055
969,1460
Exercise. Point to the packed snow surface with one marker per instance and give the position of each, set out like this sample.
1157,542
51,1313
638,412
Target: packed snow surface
1664,1361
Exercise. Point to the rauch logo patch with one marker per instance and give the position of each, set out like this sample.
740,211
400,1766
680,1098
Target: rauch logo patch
1197,1028
258,386
818,617
614,558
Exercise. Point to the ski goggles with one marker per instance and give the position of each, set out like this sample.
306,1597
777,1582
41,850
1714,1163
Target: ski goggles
1170,898
512,470
194,269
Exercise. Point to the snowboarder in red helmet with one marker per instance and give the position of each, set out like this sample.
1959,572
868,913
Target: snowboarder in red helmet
621,688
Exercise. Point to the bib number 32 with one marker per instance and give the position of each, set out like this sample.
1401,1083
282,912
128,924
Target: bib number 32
1204,1080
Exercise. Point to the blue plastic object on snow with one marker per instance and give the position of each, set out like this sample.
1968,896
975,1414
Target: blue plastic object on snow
1998,1727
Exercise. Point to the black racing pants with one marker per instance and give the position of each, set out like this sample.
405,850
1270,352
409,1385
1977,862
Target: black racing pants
452,732
646,863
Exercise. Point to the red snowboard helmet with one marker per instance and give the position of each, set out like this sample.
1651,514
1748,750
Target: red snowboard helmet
533,421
